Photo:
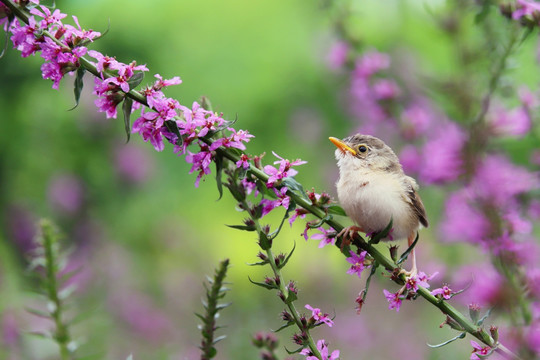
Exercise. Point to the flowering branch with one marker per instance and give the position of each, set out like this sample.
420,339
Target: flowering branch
197,125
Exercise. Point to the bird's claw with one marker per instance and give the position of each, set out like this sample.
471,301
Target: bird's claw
347,234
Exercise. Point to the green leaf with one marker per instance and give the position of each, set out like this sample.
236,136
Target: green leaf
294,185
218,160
460,336
284,326
291,297
264,285
287,258
336,210
486,315
39,313
264,241
243,227
126,109
294,351
78,85
368,281
320,222
292,206
218,339
376,238
173,128
135,80
260,263
408,251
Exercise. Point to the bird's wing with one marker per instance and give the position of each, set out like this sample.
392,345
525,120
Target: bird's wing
415,201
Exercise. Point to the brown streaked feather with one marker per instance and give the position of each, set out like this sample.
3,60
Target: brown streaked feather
418,207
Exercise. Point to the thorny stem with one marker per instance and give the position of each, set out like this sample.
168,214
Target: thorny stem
283,287
388,264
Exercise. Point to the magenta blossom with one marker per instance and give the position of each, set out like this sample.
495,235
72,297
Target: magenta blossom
319,316
445,292
285,170
357,263
443,154
327,236
323,350
298,213
394,299
243,162
420,279
483,351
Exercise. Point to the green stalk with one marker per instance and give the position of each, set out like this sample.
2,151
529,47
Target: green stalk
61,334
283,288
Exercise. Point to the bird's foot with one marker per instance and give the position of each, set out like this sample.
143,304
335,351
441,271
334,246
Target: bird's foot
409,274
347,234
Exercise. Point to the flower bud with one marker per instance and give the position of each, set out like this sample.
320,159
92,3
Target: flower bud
474,312
494,331
394,252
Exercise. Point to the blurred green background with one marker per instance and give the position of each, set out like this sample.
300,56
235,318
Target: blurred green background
144,236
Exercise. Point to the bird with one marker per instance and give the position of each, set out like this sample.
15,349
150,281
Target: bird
373,190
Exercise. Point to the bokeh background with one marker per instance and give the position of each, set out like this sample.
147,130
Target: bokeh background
144,237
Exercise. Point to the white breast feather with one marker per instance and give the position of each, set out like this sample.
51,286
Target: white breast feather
373,198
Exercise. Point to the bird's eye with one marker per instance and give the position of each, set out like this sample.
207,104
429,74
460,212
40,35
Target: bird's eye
362,148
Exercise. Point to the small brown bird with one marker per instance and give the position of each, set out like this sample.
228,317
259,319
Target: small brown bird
372,189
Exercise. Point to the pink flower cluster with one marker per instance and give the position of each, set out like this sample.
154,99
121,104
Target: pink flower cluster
61,51
409,290
322,346
161,118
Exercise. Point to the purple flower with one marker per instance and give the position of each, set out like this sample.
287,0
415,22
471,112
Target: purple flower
483,351
319,316
285,170
394,299
416,119
104,62
133,163
463,220
385,89
420,279
249,186
337,56
357,263
200,162
243,162
526,8
443,154
66,193
370,63
484,284
410,158
498,181
445,292
48,17
323,350
516,122
298,213
327,236
160,83
282,200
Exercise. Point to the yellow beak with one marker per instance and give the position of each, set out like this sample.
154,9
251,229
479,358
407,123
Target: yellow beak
342,146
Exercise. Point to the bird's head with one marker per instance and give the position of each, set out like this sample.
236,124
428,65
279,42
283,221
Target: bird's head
365,152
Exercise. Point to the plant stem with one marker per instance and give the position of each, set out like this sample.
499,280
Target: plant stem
283,288
50,244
